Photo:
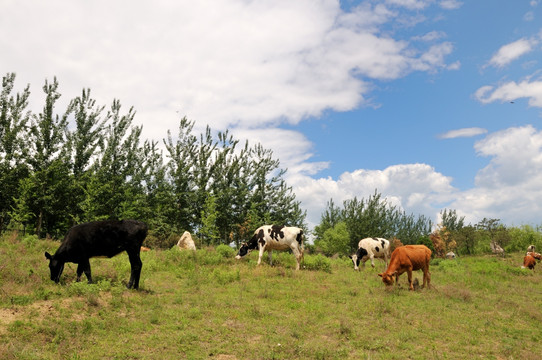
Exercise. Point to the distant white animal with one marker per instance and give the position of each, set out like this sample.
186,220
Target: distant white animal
530,248
185,242
495,248
450,255
370,248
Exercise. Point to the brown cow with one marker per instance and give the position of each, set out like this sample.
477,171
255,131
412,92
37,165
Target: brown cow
529,262
408,258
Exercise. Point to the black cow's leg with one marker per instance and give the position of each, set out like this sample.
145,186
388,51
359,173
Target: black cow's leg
84,266
136,264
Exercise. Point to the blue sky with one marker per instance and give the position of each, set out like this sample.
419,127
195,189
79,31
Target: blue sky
434,103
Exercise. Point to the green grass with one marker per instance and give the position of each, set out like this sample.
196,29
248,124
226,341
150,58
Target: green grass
207,305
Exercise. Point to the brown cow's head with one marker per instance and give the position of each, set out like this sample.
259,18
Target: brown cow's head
387,278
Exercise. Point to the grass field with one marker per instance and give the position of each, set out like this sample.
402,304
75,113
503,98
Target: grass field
207,305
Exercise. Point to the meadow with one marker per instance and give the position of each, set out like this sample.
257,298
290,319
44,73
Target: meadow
207,305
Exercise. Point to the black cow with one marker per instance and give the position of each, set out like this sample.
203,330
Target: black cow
100,238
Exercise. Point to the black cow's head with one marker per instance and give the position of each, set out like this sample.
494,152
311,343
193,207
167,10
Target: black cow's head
243,250
55,266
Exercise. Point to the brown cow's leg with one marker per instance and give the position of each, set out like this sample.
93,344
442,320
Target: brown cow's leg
427,276
410,286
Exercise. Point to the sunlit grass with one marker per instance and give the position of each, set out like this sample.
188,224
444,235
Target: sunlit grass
206,304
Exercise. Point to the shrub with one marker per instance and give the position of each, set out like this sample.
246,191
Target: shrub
225,251
318,262
154,241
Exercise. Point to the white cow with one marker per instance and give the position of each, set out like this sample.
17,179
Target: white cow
274,237
370,248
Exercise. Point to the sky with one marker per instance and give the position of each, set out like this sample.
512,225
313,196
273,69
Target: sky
435,104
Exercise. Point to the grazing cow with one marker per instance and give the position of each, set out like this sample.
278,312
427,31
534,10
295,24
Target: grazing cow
529,261
369,248
99,238
274,237
450,255
408,258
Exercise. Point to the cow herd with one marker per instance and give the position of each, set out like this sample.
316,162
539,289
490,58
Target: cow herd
109,238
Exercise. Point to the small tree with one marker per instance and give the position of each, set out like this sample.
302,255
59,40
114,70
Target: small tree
209,231
335,240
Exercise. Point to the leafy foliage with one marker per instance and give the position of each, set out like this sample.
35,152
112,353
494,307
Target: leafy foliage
86,164
372,217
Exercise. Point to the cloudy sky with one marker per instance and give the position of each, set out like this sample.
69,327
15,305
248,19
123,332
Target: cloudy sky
433,103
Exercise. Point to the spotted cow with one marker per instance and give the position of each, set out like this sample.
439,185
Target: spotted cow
274,237
370,248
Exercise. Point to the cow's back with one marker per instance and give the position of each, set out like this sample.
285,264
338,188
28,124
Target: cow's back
104,238
418,255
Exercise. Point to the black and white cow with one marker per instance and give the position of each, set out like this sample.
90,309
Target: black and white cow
99,238
370,248
274,237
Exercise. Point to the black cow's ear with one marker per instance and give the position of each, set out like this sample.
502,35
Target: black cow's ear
48,256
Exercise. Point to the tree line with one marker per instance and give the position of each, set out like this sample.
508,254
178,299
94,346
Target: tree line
341,228
89,162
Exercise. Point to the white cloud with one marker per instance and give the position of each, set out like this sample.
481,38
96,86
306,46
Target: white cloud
416,188
431,36
249,66
466,132
451,4
516,157
410,4
510,52
508,188
223,63
529,16
511,91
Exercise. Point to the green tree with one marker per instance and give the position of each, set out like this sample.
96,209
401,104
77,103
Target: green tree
208,231
329,218
451,221
179,173
466,238
335,240
373,217
49,161
83,143
114,190
13,131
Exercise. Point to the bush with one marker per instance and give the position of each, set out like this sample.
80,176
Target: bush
225,251
154,241
318,262
336,240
